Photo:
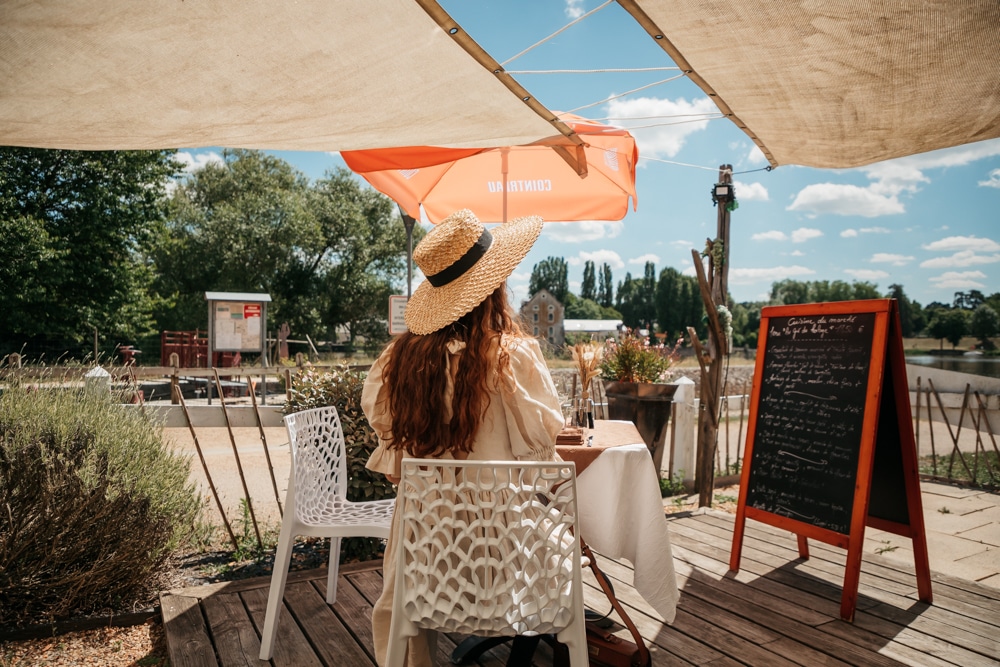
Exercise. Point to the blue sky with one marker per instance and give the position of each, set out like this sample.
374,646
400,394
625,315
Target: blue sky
928,222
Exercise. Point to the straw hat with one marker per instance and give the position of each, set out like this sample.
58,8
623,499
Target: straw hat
463,263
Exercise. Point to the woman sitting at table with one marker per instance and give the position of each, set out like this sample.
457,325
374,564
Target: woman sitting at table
464,382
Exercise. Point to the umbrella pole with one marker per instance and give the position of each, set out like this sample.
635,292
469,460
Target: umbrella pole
408,222
503,168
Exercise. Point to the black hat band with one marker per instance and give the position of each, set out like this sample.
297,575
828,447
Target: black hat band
463,263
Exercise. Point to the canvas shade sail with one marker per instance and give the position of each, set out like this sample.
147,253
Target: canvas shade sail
309,75
500,184
840,83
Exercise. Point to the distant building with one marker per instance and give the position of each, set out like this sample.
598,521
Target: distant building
598,329
543,315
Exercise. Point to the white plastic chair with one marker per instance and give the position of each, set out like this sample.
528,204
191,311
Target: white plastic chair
316,505
488,548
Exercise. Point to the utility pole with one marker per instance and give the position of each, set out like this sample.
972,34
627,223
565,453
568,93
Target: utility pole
714,292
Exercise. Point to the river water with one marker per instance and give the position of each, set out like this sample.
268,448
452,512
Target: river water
988,366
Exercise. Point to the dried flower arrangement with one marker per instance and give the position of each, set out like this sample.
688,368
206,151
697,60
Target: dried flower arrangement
588,357
633,359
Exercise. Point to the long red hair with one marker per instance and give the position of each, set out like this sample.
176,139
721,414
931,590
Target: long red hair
416,376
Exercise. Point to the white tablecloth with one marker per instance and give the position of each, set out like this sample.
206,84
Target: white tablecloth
621,516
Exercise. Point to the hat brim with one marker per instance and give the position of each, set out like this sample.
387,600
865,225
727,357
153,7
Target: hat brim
432,308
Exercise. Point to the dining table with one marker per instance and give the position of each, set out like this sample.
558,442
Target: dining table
620,507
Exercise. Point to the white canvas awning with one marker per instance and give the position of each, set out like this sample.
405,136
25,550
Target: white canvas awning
840,83
305,75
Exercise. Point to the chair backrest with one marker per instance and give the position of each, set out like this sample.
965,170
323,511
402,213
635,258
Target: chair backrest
319,459
488,547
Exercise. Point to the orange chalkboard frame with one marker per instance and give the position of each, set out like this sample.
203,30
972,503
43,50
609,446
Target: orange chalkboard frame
887,373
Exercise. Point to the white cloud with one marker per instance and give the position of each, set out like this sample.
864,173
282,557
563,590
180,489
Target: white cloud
517,277
773,235
849,233
599,257
890,179
866,274
642,259
993,181
874,230
574,9
797,253
740,276
964,243
890,258
579,232
960,260
682,244
959,280
665,140
803,234
194,162
750,191
839,199
756,155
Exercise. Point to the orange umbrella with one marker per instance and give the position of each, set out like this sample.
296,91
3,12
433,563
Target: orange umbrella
499,184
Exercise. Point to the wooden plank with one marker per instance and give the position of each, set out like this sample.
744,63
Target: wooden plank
332,642
291,647
948,609
809,638
916,648
236,642
353,610
666,644
188,641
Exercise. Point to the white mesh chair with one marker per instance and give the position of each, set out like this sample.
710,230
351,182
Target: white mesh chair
488,548
316,505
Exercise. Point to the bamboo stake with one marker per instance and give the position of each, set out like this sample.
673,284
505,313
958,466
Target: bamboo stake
239,466
208,475
263,441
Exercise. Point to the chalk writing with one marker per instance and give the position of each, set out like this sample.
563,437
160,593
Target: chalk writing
809,417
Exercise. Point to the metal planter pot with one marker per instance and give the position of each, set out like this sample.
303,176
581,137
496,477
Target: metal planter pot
647,405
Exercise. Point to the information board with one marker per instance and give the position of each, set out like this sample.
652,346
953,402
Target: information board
830,445
237,326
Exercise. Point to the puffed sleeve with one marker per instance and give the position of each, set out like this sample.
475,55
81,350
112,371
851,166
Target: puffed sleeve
375,404
531,403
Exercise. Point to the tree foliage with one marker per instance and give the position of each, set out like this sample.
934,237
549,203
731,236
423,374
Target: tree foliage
984,324
75,227
329,253
949,324
588,288
552,274
606,288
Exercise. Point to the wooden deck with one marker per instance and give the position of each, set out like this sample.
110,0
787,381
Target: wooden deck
776,611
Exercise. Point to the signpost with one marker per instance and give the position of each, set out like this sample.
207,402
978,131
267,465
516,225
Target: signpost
397,310
830,447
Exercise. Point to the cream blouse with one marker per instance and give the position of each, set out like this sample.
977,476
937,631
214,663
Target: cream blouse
521,422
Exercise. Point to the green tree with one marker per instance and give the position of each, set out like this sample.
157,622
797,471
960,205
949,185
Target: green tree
984,324
906,318
75,228
551,274
787,292
949,324
328,253
606,289
627,301
862,289
583,309
588,288
235,226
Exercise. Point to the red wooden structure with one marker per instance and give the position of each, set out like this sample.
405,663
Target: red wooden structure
191,348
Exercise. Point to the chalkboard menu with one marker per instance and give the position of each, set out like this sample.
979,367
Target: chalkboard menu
810,417
830,447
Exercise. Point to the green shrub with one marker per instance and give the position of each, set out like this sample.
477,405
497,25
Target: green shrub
91,504
341,388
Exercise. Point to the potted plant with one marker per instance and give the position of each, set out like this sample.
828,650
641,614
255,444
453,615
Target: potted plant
635,373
